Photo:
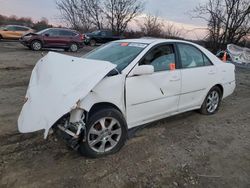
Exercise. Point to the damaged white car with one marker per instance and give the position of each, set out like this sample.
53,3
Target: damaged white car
95,101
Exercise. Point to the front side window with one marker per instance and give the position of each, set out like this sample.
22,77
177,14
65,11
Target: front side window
118,53
192,57
96,32
161,57
52,33
11,28
21,29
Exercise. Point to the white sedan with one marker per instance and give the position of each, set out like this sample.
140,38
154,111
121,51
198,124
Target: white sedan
95,101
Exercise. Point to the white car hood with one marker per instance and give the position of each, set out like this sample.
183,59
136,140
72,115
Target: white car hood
57,82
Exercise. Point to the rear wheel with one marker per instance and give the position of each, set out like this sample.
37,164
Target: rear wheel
73,47
92,42
36,45
212,101
1,37
106,133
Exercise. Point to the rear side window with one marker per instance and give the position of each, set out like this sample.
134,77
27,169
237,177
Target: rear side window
161,57
192,57
67,33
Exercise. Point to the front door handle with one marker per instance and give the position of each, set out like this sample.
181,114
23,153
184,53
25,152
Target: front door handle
174,78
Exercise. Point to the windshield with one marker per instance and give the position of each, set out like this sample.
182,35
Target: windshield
96,32
42,31
118,53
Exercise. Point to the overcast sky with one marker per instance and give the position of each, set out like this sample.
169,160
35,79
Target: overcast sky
173,10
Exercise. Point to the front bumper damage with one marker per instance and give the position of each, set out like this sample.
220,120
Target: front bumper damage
71,128
71,133
58,83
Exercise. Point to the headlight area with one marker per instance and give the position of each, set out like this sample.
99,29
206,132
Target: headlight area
71,128
27,37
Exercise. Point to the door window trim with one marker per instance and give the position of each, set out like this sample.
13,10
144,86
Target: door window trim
177,65
203,54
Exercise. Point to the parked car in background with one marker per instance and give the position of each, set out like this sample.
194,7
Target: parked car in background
54,38
13,31
100,36
97,100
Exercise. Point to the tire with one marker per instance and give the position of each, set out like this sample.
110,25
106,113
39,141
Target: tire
212,101
36,45
105,138
92,42
73,47
1,38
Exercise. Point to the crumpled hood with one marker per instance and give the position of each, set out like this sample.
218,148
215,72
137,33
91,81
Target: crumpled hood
57,82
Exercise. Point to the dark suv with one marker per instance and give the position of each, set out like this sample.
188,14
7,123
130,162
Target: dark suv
53,38
100,36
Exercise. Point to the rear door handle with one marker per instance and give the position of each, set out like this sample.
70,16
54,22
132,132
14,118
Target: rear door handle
211,72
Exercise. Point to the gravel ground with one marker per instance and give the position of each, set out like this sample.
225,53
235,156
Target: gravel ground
187,150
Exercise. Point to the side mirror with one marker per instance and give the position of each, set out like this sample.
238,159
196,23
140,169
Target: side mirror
5,29
143,70
46,35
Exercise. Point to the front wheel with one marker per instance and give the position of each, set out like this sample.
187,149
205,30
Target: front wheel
36,45
106,133
212,101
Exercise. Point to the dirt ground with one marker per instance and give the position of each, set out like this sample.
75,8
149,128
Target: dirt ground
187,150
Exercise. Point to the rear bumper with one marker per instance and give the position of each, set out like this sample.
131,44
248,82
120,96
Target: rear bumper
228,88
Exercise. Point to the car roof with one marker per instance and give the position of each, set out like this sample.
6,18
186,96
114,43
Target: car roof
64,29
18,26
58,28
150,40
155,41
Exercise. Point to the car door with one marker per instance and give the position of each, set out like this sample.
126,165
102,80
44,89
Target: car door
9,32
20,31
104,37
107,36
149,97
51,38
198,76
66,37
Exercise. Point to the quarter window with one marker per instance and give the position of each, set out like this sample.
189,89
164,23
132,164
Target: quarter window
192,57
160,57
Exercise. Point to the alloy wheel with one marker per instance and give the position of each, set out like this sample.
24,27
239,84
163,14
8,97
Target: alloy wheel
36,46
104,135
213,101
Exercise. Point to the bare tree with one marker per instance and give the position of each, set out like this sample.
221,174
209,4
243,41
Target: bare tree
152,26
74,13
95,12
228,20
171,31
85,14
120,12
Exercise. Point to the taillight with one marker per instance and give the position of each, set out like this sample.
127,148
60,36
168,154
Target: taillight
82,37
